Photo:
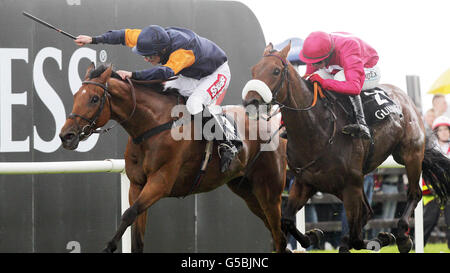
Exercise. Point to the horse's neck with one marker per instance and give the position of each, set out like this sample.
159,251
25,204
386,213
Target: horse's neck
304,126
152,109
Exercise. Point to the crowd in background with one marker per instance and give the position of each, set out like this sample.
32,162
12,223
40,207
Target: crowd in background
437,124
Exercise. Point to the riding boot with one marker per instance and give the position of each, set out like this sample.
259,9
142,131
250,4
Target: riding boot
227,150
360,128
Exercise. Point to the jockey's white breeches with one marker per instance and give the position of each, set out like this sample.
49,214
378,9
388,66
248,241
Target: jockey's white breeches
204,92
372,76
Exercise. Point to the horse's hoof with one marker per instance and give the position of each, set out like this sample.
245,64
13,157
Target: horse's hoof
404,245
386,238
315,236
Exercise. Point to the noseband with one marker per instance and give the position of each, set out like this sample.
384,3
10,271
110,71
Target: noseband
88,130
285,77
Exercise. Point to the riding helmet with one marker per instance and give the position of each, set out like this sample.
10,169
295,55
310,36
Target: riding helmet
317,47
151,41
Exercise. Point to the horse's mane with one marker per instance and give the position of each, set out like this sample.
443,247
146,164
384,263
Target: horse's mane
157,86
99,70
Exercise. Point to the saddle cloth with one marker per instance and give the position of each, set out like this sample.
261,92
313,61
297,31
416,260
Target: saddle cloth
378,105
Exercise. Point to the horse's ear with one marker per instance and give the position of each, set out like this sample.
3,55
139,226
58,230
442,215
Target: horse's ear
285,51
268,49
107,74
88,71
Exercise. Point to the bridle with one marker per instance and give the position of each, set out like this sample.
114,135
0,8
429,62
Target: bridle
285,77
88,129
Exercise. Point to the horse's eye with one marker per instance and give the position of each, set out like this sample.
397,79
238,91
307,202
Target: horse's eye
95,99
276,71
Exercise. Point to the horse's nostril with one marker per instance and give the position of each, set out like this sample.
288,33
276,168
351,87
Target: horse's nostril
67,137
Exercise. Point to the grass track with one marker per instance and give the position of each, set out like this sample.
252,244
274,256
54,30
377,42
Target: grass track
429,248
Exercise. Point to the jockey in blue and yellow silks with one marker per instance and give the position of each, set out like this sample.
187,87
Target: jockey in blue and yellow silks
201,66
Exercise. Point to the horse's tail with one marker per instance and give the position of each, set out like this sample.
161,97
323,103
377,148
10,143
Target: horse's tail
436,170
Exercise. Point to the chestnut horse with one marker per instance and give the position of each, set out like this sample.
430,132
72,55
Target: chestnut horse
161,166
326,160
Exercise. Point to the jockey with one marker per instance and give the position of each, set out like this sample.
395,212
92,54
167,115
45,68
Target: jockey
201,66
345,64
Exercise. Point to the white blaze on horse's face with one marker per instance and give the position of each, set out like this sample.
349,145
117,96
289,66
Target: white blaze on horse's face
259,87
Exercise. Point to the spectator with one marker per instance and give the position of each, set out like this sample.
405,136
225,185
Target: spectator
428,118
432,208
440,106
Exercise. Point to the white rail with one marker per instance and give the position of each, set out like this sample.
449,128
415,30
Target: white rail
107,165
100,166
118,166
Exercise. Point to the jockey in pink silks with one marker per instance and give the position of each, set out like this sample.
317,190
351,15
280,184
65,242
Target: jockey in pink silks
345,64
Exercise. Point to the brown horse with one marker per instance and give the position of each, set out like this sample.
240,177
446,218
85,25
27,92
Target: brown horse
326,160
160,166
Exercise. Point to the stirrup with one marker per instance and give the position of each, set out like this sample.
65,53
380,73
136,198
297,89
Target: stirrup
227,147
358,130
229,153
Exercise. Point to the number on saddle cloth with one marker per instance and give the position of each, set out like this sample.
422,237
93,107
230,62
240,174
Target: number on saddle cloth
378,105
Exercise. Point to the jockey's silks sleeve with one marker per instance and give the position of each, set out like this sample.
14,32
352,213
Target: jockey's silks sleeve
180,59
131,37
126,37
157,72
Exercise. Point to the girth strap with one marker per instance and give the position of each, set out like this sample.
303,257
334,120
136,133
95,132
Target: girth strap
155,130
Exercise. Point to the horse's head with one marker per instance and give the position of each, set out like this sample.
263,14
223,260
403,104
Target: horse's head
91,109
268,75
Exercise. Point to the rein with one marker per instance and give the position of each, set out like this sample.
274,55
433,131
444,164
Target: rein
285,77
88,130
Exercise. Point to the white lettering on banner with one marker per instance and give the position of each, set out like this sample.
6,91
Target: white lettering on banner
8,99
50,98
46,93
377,96
75,83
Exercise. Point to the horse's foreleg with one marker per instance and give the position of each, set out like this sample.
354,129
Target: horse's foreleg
157,186
298,196
138,227
245,191
138,232
357,215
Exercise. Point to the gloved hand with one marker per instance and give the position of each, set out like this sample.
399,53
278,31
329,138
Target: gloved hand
316,78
